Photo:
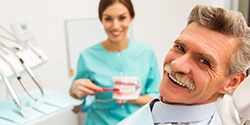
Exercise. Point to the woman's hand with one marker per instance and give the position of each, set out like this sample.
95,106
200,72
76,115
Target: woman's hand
143,99
83,87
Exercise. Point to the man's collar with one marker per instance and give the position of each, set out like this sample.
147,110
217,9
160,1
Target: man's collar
165,113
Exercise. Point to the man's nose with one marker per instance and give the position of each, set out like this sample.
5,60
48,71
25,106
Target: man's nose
182,64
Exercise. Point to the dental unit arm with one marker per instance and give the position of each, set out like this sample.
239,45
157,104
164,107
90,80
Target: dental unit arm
12,92
16,72
25,66
18,41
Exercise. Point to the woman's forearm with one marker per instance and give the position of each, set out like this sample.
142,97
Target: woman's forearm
143,99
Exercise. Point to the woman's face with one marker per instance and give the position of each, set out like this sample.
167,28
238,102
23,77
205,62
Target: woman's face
116,20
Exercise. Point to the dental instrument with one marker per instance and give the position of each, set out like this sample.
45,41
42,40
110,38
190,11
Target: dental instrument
17,74
25,66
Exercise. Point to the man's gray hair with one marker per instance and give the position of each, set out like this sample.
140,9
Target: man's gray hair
230,23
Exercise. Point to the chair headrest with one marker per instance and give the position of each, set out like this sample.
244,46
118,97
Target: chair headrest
241,99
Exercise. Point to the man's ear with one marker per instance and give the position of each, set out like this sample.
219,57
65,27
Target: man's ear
233,82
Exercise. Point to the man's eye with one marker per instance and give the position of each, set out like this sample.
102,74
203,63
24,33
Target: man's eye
205,62
180,48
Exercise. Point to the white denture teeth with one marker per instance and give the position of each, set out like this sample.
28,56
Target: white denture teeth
125,89
129,87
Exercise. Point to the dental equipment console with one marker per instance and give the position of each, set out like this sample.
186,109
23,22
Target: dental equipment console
3,56
25,66
7,51
20,42
12,92
17,57
18,47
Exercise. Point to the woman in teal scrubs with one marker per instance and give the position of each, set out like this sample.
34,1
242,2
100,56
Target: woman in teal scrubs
115,56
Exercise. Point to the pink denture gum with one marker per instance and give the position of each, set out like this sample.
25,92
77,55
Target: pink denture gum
129,88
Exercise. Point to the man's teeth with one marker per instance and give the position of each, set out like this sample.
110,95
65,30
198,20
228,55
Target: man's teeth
181,84
190,86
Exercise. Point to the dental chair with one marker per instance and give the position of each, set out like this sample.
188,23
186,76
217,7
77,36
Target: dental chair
234,108
241,100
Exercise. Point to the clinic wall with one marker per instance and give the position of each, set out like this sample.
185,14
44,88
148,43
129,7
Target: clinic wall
157,22
243,7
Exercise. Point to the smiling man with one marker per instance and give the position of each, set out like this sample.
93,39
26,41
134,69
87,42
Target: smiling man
208,59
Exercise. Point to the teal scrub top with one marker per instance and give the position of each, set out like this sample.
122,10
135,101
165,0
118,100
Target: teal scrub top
99,65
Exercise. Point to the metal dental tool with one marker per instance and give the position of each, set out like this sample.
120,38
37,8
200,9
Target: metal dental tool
25,66
12,92
20,42
16,72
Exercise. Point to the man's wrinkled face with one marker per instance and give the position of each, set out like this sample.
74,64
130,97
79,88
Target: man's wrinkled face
195,67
